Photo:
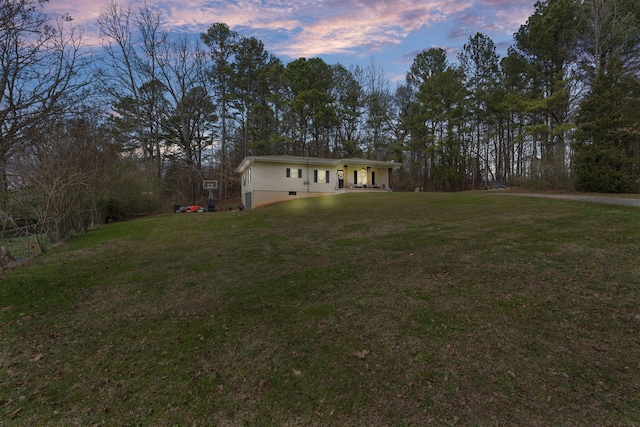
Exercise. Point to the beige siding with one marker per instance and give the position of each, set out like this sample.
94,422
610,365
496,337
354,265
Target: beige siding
248,179
268,183
272,177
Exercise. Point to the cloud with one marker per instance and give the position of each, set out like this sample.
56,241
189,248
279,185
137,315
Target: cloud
512,19
470,24
303,27
365,26
308,28
83,13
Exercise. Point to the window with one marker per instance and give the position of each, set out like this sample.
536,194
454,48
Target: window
321,176
294,173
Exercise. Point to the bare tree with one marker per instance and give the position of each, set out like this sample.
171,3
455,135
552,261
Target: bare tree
378,105
609,34
41,70
192,111
62,176
133,41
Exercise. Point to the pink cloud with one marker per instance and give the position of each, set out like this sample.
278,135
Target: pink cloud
511,20
83,13
504,4
371,25
315,27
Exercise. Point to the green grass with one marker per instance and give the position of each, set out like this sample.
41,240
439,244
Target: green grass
474,309
23,248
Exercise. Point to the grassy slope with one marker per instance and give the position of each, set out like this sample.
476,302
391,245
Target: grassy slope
473,309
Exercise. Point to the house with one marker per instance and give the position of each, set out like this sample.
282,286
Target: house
271,179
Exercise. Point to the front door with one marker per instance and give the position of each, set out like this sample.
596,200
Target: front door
340,178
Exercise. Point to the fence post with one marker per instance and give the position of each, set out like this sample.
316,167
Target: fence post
28,245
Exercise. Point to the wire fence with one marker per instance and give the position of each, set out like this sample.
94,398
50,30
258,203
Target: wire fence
22,242
26,238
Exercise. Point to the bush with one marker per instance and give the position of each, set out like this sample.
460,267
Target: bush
604,169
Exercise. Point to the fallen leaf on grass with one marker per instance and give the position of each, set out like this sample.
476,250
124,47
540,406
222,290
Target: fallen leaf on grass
264,384
361,354
36,358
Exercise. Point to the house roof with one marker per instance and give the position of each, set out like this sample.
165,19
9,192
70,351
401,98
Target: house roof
313,161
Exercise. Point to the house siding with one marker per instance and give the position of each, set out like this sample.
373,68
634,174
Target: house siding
276,179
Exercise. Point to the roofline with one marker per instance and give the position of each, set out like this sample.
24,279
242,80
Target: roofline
247,161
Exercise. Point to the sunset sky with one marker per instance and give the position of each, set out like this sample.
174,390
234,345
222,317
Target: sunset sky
387,32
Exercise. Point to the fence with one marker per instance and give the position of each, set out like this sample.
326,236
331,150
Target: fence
24,242
25,238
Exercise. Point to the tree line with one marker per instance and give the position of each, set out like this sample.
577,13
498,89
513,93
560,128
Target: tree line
148,114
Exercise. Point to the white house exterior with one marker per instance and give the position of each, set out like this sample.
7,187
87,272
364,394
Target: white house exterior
271,179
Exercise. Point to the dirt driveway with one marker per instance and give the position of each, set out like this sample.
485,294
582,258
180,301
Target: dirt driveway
627,200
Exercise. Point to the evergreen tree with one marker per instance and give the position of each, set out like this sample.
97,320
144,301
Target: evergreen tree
479,62
436,120
249,86
348,98
607,160
548,43
607,141
311,106
222,43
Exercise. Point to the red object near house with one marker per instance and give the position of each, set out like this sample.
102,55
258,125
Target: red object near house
194,208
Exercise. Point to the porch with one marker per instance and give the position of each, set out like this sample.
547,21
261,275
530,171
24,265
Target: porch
363,189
